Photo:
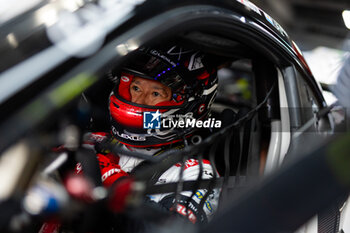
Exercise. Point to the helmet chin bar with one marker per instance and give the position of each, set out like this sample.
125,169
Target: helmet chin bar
127,122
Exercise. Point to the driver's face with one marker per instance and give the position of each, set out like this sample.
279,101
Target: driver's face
148,92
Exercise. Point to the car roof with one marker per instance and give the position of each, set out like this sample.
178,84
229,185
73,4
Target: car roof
54,46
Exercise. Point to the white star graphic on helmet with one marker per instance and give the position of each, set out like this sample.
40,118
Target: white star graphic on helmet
155,115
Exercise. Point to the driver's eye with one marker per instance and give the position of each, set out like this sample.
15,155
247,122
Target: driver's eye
135,88
156,94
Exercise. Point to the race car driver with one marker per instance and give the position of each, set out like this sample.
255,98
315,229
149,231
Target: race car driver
171,83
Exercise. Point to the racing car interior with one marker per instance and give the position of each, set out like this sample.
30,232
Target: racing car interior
251,97
266,101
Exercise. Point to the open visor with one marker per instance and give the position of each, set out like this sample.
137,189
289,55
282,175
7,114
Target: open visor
168,73
123,90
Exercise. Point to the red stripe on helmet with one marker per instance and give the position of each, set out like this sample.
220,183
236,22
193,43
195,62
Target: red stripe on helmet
128,114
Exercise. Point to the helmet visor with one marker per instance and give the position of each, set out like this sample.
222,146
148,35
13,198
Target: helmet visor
149,67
